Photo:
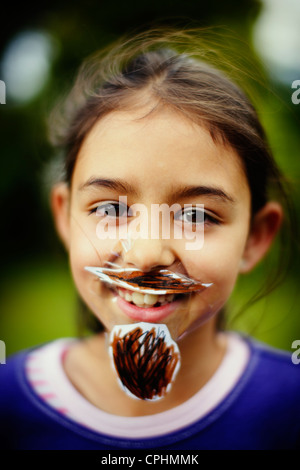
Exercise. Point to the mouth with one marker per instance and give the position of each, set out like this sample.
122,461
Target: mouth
151,296
147,307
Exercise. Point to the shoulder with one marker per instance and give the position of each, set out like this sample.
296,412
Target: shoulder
12,396
274,358
264,404
13,376
274,375
9,375
20,408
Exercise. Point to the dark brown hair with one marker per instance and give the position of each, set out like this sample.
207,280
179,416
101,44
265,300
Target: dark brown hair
170,69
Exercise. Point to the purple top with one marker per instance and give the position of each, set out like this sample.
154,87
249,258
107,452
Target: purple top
261,410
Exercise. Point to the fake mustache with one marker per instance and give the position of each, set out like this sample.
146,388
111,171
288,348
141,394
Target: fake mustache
159,282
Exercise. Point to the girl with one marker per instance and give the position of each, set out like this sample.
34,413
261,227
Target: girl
148,125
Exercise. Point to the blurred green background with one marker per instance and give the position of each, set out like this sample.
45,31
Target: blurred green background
41,49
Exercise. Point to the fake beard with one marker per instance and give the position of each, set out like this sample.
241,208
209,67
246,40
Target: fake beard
146,359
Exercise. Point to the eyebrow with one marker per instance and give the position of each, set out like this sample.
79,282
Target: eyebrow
194,191
181,193
113,184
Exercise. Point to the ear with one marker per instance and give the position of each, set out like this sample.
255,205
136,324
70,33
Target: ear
60,201
264,227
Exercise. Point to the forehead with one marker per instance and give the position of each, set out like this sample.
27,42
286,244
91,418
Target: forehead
153,148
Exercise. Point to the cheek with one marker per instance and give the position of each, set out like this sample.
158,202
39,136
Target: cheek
86,249
218,261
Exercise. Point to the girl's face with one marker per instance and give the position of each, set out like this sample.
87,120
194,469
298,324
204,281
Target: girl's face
160,158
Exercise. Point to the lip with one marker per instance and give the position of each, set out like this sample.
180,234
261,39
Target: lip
151,314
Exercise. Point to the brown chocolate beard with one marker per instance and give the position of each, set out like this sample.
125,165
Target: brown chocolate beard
144,362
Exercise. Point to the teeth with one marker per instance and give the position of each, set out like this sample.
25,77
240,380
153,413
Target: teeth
137,298
150,299
145,300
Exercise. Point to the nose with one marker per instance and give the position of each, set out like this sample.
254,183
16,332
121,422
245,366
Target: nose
147,254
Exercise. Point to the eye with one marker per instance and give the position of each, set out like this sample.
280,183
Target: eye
196,216
111,209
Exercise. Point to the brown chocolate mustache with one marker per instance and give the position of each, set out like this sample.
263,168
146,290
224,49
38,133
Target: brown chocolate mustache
160,281
145,362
